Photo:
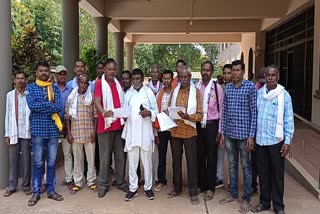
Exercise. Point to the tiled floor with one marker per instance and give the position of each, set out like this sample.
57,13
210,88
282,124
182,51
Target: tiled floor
297,201
306,149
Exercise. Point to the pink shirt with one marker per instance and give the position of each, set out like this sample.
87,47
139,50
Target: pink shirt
213,113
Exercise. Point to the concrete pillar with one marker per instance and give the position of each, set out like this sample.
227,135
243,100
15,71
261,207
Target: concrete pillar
119,49
102,35
5,83
315,116
130,55
70,34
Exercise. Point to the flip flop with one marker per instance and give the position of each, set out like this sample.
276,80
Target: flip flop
194,200
93,187
172,194
208,195
75,189
244,207
228,200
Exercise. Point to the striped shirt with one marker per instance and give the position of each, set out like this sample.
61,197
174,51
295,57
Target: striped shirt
239,115
267,120
82,127
41,123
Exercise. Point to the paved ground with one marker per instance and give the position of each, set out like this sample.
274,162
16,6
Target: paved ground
306,149
297,200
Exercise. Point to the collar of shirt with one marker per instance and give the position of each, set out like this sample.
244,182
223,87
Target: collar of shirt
66,87
234,86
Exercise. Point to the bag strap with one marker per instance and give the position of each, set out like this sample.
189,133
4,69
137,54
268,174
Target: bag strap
216,92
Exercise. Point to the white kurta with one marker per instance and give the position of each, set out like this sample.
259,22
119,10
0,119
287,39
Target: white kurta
138,131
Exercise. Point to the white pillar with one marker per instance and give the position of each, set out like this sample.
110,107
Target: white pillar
119,49
102,35
70,34
130,55
5,83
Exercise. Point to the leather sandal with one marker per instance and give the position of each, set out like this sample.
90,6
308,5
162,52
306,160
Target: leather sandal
9,192
33,200
259,208
55,196
75,189
172,194
194,200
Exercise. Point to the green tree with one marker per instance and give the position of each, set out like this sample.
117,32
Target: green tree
48,22
212,51
26,42
166,56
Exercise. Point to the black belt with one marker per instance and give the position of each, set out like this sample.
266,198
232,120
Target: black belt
212,121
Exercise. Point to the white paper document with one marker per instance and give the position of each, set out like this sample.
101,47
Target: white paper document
122,112
173,112
165,122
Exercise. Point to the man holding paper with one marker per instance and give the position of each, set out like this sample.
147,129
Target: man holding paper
185,135
163,98
208,130
138,133
108,95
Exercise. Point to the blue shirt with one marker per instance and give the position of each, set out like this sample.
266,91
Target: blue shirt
267,120
64,96
41,123
239,115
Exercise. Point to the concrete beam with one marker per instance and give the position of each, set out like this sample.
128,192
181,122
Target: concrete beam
185,38
94,7
205,9
183,26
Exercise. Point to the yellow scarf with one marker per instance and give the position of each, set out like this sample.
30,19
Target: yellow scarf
55,117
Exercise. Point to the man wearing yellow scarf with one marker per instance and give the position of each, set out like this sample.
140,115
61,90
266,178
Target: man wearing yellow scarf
44,101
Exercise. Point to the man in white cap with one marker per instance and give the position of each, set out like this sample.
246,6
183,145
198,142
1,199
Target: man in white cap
65,90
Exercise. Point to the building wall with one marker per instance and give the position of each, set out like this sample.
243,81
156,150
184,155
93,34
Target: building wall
248,40
229,54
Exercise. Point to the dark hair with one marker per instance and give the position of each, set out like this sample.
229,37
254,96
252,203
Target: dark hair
238,62
42,63
80,60
168,72
21,72
138,71
182,61
109,61
208,62
227,66
126,72
100,62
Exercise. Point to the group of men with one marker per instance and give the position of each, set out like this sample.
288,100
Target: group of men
233,116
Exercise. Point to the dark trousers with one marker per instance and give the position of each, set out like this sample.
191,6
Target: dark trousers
164,137
207,155
24,147
190,147
271,175
254,169
111,142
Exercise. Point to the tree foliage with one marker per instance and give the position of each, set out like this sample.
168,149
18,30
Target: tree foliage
166,55
27,44
48,22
